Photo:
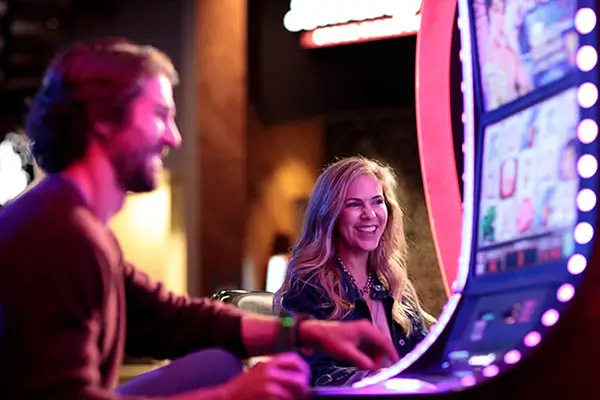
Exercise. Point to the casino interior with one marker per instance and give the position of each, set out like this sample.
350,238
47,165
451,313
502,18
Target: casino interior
487,110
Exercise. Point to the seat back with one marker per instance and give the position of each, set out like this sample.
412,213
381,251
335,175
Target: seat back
258,302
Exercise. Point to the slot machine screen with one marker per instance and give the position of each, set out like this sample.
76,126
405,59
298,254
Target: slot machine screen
522,45
529,184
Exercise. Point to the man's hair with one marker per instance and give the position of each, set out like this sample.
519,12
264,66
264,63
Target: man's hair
91,80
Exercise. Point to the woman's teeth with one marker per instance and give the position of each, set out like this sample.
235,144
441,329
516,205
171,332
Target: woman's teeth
366,229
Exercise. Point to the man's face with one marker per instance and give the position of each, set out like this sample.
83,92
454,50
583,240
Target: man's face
149,131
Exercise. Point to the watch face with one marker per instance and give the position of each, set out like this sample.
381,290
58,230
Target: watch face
286,337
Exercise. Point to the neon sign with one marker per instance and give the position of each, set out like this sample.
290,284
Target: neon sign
325,23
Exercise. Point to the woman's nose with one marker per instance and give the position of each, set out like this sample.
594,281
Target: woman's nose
368,213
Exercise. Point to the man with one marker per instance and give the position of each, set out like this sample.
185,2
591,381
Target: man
72,307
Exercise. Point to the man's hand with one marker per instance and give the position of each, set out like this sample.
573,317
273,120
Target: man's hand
356,341
284,376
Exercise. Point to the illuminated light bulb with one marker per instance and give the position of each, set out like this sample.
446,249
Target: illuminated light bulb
550,317
565,292
583,233
587,58
586,200
585,20
512,357
587,94
587,166
490,371
587,131
532,339
576,264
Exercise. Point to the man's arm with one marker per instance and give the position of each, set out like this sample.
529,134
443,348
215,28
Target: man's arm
164,325
161,324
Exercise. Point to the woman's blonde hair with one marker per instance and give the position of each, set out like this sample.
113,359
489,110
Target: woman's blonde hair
313,258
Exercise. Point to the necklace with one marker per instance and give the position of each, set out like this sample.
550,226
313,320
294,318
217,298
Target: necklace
365,289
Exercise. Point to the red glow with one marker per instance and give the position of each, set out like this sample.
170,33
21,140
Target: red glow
356,32
436,148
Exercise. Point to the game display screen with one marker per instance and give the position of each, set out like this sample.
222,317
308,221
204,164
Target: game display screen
523,45
529,184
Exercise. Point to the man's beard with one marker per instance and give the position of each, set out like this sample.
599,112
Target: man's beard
133,174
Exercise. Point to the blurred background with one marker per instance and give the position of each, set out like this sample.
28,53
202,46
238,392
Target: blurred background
265,102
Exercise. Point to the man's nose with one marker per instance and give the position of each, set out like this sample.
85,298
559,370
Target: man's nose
173,136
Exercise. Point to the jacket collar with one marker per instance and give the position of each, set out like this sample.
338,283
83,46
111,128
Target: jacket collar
378,290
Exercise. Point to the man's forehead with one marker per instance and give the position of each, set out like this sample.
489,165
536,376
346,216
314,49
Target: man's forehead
159,90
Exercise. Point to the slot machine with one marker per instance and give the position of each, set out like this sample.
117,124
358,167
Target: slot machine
523,313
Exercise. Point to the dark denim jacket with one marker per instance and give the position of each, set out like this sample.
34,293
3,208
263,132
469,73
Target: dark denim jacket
327,371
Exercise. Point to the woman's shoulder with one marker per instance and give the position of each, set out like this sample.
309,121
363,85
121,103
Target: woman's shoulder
306,296
306,288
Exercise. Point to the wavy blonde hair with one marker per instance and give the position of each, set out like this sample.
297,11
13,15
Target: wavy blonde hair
313,258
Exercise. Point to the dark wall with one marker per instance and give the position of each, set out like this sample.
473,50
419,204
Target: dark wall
289,83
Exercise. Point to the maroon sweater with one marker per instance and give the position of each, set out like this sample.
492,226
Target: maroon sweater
71,307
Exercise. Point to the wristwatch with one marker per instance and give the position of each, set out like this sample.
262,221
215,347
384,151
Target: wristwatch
288,337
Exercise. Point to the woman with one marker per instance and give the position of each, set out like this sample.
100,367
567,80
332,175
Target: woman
350,262
504,75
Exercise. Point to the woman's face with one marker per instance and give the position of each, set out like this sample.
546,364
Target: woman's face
496,15
364,217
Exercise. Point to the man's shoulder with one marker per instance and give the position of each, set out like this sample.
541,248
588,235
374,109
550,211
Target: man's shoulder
50,220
